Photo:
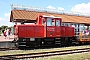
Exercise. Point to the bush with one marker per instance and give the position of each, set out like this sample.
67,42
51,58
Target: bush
0,32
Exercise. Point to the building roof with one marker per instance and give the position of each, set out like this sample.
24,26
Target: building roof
30,16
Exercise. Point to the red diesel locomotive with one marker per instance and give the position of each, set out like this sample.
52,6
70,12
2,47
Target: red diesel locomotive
47,31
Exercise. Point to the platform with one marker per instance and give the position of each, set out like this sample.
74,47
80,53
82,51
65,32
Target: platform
6,43
2,38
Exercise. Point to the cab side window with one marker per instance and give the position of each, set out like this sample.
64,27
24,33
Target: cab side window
43,21
53,22
57,22
49,22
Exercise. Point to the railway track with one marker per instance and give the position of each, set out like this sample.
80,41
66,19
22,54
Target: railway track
43,54
5,49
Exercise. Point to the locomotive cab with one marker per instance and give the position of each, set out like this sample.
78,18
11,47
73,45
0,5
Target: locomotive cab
52,26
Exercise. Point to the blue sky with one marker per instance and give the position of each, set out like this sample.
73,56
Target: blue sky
67,5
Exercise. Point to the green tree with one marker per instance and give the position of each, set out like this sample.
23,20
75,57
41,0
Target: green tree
0,28
3,28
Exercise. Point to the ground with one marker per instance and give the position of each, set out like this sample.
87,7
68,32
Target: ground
2,38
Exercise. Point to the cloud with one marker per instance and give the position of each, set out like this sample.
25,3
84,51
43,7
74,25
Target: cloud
5,20
7,14
82,8
50,7
70,6
1,19
53,9
60,8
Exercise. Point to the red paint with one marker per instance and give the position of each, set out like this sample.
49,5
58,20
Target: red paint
31,31
67,31
51,31
58,31
40,30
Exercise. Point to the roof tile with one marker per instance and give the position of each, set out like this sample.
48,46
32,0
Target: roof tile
31,15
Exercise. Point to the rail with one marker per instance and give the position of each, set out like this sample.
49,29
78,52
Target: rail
5,49
44,54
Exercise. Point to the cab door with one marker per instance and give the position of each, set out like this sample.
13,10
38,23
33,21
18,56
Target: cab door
58,28
50,27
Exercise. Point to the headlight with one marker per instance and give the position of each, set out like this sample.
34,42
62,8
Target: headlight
24,39
32,39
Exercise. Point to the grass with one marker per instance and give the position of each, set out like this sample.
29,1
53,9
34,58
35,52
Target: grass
40,50
83,56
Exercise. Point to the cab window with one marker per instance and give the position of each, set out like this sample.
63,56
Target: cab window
43,21
57,22
50,22
53,22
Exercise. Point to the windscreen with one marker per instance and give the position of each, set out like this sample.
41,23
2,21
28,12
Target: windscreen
50,22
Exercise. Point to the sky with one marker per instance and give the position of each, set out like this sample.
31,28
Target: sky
82,6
